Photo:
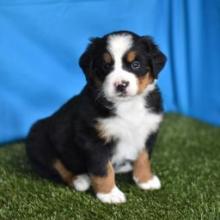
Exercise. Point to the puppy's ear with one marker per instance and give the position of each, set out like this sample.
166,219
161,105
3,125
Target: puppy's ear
158,59
87,58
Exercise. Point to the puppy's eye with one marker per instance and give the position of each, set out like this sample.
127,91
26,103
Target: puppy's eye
107,66
136,65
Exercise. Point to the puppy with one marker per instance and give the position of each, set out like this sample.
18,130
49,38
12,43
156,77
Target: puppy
111,126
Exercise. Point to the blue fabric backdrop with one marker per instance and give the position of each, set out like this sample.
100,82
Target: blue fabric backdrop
41,41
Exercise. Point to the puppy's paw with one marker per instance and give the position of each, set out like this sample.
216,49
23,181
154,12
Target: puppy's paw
153,183
81,183
114,197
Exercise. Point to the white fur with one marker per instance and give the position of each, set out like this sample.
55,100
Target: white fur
124,168
115,196
116,77
131,126
118,45
153,183
81,183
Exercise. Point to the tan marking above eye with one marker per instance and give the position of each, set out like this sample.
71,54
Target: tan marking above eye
107,57
131,56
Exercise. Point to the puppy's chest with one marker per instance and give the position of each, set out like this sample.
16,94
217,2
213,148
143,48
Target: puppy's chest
131,126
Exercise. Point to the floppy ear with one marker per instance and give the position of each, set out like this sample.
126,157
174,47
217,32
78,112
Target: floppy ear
86,59
158,59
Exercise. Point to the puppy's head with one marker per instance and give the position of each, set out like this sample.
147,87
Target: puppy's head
122,64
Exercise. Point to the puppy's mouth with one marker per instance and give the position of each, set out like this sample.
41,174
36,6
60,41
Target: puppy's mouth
122,94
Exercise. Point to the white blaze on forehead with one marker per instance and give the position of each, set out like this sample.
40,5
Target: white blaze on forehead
118,44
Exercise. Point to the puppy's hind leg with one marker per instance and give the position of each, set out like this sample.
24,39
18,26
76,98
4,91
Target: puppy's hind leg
40,151
79,182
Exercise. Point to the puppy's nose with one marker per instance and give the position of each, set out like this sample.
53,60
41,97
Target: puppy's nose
121,86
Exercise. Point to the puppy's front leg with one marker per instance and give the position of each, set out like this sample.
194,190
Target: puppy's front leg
142,173
105,187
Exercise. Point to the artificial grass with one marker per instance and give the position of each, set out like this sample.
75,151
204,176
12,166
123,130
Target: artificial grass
186,158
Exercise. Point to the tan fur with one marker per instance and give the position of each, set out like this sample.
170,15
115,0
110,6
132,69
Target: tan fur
106,183
142,168
107,57
65,174
144,81
131,56
102,133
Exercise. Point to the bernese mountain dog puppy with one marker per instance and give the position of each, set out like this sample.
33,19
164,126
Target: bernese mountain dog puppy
111,126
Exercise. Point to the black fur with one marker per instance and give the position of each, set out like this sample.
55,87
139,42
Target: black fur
70,135
154,101
158,59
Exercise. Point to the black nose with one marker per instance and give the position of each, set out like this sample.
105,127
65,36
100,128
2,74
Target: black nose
121,87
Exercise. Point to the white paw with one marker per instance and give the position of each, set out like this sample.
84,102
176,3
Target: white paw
153,183
81,183
115,196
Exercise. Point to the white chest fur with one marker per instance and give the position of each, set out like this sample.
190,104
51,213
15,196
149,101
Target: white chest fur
131,126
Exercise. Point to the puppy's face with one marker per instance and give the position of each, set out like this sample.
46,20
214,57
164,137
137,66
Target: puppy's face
122,64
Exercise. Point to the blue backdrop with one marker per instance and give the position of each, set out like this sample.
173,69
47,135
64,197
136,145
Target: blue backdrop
41,41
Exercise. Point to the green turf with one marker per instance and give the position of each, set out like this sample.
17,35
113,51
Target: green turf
186,158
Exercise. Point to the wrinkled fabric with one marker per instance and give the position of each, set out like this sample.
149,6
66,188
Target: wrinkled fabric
41,42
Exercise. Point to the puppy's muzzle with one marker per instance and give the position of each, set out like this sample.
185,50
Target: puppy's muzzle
121,87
